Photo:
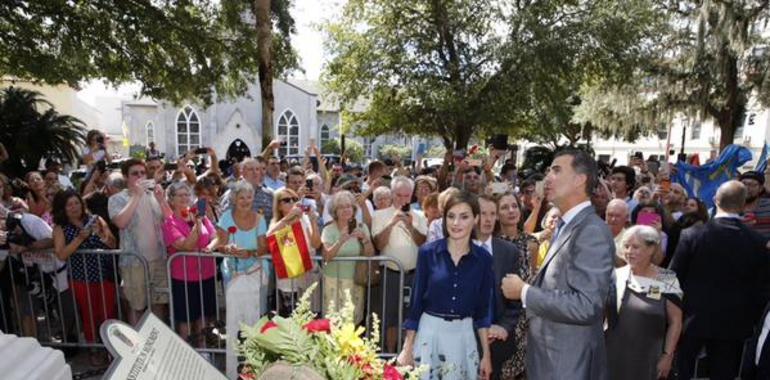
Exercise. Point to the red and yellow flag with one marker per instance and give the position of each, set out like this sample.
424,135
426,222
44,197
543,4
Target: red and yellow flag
289,249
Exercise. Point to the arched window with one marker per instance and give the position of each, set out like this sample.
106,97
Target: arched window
188,135
288,131
324,136
149,130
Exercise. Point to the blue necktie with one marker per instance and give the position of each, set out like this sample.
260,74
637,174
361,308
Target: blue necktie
556,233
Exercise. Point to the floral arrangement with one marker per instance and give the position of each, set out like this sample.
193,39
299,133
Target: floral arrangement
333,347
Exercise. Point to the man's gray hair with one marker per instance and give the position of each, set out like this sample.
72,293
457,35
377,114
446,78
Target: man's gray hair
238,188
649,236
731,197
400,180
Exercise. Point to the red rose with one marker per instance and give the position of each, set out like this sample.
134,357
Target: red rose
319,325
184,213
267,326
193,210
390,372
232,230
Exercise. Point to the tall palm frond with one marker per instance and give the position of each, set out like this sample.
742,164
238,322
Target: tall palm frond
31,129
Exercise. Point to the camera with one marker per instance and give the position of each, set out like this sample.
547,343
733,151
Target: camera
202,151
16,233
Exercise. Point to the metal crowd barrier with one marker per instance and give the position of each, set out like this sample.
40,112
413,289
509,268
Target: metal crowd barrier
279,302
38,298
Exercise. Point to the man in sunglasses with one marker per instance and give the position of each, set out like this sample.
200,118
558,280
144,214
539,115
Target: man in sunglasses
136,211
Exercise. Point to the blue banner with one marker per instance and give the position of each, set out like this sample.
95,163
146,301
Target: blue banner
702,181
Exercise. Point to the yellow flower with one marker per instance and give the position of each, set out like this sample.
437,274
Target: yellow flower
349,339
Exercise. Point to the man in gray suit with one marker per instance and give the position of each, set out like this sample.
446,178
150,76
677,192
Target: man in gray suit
564,304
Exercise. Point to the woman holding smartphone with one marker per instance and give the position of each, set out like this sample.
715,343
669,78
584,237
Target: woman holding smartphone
93,275
344,237
192,278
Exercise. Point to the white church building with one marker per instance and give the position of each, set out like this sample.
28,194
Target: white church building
301,113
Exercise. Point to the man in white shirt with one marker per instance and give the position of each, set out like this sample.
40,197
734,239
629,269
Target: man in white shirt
398,233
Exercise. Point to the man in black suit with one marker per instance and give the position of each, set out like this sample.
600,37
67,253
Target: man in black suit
722,267
756,362
505,257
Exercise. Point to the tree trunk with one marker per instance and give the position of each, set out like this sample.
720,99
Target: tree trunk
261,11
728,114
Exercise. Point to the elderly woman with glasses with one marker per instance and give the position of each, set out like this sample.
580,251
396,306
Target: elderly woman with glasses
288,210
192,278
344,237
644,308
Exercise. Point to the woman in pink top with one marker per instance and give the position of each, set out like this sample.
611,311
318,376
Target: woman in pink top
192,278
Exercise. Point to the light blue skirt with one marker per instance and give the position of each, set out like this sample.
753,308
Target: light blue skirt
447,347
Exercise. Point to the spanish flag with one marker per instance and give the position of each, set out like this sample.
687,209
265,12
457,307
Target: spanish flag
289,249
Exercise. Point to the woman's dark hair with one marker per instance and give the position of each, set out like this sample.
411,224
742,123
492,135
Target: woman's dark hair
463,197
60,206
91,135
665,217
702,215
27,189
498,225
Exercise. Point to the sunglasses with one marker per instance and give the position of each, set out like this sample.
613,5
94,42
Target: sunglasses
290,200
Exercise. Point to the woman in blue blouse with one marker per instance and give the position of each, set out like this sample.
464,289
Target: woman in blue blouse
446,305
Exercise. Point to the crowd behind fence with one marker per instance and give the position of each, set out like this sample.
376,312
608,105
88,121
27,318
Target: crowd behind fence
40,298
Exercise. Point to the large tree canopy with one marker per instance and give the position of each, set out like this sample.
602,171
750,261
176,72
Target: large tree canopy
453,68
708,59
178,50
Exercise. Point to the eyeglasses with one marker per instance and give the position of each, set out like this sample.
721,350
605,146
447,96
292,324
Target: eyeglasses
290,200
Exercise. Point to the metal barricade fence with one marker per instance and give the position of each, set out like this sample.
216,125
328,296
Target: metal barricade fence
41,297
191,293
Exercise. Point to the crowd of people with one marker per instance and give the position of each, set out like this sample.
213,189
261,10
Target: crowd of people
573,273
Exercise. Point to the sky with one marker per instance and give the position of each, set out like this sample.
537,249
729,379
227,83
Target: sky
308,42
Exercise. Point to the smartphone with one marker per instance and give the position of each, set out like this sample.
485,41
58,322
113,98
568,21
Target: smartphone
406,207
309,184
170,166
639,155
647,218
201,204
352,224
202,150
90,223
540,189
